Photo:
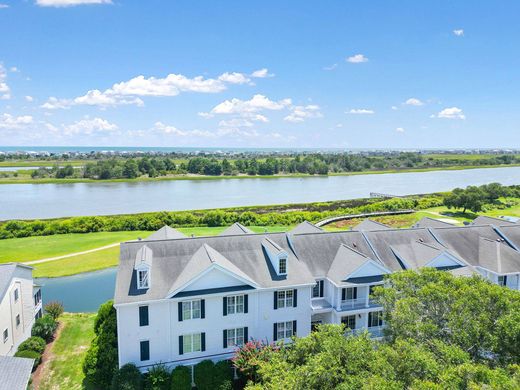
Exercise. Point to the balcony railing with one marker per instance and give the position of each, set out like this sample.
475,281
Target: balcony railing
350,304
376,331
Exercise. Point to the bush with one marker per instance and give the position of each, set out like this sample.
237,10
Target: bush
45,327
181,378
34,343
54,309
204,378
158,378
30,355
223,372
127,377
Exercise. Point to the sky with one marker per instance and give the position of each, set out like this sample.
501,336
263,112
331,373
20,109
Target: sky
322,74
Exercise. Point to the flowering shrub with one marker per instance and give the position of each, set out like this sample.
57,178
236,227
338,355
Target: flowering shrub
248,358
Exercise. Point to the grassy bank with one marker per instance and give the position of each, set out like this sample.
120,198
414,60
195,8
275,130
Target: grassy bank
24,176
64,369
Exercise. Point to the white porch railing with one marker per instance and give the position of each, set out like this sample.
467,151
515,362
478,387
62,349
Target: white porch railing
350,304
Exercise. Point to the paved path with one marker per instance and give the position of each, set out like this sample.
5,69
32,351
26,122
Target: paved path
70,254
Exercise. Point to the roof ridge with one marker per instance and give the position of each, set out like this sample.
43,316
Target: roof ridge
354,250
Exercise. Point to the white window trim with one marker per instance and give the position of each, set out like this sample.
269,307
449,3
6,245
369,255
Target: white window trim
287,300
140,284
16,295
235,305
280,271
191,310
192,338
233,339
284,328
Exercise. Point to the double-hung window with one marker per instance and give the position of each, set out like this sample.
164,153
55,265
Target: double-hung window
284,330
282,266
375,318
192,342
6,335
502,280
191,309
349,293
235,304
349,322
317,290
235,337
16,295
142,279
285,298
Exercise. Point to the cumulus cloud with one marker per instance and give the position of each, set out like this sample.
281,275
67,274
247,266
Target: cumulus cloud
234,78
357,59
172,130
28,98
255,104
88,126
413,102
261,73
451,113
10,122
459,32
399,130
361,111
69,3
5,91
301,113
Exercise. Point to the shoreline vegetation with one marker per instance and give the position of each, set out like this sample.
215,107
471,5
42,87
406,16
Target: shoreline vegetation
154,167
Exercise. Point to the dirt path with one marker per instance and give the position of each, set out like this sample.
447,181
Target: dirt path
46,359
70,254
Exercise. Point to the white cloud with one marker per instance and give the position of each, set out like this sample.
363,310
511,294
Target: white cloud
394,108
4,6
459,33
97,98
69,3
361,111
14,69
261,73
255,104
234,78
89,126
236,122
300,113
357,59
451,113
29,98
331,67
399,130
55,103
413,102
172,130
10,122
5,91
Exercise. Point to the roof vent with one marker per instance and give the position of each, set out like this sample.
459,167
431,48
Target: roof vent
354,245
421,240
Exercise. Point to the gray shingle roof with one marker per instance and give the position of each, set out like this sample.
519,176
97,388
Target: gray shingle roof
7,271
497,256
368,225
485,220
165,233
346,261
427,222
235,229
417,254
15,372
306,227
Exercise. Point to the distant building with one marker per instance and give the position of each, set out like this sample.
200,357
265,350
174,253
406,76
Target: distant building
183,300
20,305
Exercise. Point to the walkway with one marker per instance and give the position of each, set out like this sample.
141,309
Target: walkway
70,254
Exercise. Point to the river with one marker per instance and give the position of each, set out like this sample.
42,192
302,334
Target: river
29,201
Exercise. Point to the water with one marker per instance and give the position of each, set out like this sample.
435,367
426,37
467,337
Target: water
13,169
80,293
28,201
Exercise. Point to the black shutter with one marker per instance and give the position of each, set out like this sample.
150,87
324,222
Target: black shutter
246,335
143,316
246,304
180,311
225,339
321,288
295,298
343,293
181,345
275,300
355,292
294,328
275,329
203,341
202,308
145,350
224,307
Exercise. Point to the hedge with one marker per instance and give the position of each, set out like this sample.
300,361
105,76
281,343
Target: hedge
45,327
30,355
181,378
127,377
33,343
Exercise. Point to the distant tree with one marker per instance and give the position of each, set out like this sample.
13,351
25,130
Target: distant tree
131,169
472,198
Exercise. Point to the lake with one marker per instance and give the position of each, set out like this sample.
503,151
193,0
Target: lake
28,201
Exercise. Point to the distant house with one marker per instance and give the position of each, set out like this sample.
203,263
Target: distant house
183,300
15,372
20,305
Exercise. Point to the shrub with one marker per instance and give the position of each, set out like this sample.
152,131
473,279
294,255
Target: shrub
45,327
127,377
54,309
34,343
30,355
204,378
158,378
181,378
223,372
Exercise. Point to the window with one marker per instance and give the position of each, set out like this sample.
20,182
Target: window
284,330
317,291
16,295
192,343
235,304
37,297
502,280
349,322
375,318
235,337
191,309
145,350
285,298
17,320
282,266
349,293
6,335
142,279
143,316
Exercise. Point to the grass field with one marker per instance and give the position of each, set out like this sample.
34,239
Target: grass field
64,370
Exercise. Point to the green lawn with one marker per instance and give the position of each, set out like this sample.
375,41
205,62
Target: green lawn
64,370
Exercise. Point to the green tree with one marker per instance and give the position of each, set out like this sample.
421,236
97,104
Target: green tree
131,169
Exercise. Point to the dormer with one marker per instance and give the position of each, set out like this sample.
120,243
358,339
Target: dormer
143,267
277,256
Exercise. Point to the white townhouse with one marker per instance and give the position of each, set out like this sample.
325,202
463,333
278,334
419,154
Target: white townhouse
181,300
20,305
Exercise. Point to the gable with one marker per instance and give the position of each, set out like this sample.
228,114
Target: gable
444,260
369,268
214,278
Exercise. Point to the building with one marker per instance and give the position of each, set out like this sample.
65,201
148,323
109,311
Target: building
20,305
15,372
183,300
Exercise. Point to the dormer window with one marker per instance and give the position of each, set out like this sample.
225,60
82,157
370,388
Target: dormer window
282,266
143,280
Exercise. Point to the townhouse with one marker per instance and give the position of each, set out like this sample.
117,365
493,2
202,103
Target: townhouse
180,300
20,305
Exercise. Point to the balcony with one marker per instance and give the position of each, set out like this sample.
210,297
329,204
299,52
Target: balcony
376,331
320,305
353,304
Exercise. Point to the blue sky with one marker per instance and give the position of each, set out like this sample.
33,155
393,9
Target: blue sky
351,74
